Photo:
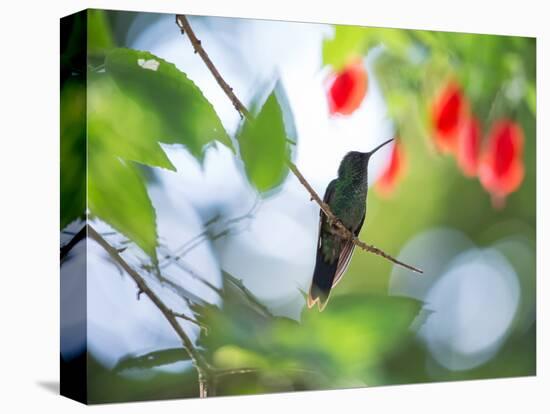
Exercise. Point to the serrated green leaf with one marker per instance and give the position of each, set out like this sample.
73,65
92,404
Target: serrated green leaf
119,126
264,147
156,85
117,195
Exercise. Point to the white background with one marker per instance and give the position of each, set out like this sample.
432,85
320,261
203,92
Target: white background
29,163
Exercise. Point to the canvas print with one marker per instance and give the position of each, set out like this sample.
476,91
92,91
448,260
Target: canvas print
254,206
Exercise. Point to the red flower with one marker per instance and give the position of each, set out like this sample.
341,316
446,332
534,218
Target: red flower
501,168
385,185
469,143
448,111
347,88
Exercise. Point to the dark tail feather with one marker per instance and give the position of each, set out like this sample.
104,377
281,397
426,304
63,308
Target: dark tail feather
323,278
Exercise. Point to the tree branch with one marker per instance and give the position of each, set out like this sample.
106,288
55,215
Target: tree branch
185,27
187,318
186,268
200,364
338,227
195,241
66,248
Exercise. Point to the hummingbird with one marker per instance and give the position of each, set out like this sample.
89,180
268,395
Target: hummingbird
347,199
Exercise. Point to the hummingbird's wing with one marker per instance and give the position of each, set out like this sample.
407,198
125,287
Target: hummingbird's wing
324,272
345,255
327,198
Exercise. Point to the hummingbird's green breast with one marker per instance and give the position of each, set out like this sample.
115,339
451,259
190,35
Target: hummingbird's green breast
349,202
346,196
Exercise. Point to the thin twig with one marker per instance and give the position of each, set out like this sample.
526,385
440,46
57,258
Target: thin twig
66,248
200,364
185,294
342,230
188,318
196,241
185,27
191,272
186,268
338,227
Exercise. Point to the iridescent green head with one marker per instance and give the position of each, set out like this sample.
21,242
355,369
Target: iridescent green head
356,162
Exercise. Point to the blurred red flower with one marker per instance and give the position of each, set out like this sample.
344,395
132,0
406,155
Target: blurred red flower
347,88
385,185
448,111
501,168
469,145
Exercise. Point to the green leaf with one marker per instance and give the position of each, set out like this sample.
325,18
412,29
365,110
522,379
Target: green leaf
348,42
100,38
117,195
185,115
119,126
152,359
263,146
73,151
288,116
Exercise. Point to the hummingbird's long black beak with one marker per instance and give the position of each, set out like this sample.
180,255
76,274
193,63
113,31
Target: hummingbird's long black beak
380,146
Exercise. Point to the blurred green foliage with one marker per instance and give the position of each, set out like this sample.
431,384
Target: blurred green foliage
348,43
496,72
108,386
100,38
73,118
253,351
343,343
73,153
